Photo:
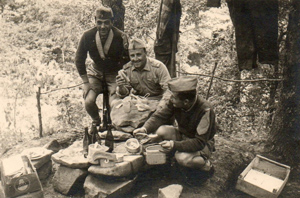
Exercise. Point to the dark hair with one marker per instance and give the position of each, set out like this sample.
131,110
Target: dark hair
190,95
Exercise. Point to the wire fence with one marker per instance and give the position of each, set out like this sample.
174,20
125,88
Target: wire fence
212,77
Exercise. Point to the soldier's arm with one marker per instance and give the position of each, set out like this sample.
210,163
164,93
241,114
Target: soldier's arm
80,58
203,133
159,117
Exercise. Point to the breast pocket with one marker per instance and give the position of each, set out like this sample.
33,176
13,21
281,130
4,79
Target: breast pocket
151,80
134,83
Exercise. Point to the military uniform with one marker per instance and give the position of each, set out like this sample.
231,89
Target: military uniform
115,58
151,80
196,127
194,135
107,46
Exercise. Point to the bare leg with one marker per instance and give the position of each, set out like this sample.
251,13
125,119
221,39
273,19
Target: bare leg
91,106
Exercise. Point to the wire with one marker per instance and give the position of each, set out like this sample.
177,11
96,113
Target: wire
62,88
232,80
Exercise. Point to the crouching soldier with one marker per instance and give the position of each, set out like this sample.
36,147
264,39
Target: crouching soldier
193,139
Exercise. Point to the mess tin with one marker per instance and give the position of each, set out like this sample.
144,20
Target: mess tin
154,156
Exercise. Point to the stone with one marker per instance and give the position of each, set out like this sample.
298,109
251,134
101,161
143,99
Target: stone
44,171
53,146
95,187
38,156
131,164
66,179
171,191
72,156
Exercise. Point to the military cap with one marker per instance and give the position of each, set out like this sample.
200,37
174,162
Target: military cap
136,44
104,13
183,83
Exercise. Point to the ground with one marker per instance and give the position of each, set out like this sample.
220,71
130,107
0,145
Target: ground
229,159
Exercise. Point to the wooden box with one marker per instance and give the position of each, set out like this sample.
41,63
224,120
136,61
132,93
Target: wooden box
263,178
18,176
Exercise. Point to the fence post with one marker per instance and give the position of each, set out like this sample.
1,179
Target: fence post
38,97
211,80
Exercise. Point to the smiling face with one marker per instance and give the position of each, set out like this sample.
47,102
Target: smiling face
138,57
103,26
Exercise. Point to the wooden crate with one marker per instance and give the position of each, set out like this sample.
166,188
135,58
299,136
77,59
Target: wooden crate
263,178
18,176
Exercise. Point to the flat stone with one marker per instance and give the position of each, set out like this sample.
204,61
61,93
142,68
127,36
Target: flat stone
38,156
53,146
131,164
44,171
171,191
95,187
67,179
72,156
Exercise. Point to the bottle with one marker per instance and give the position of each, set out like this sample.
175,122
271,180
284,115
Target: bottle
93,133
86,142
109,139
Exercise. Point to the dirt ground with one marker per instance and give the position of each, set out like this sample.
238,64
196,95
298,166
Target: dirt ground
230,159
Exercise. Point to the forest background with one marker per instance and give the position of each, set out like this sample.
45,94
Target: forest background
38,45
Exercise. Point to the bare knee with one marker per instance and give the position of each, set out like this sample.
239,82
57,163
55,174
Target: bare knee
190,160
182,159
166,132
90,100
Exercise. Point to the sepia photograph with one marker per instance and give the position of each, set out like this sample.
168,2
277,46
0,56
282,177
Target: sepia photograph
150,98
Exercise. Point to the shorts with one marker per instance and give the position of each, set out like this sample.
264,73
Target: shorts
96,81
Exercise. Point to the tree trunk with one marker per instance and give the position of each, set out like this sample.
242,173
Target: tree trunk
118,10
285,131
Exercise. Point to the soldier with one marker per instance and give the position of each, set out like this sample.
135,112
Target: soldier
145,75
107,47
193,139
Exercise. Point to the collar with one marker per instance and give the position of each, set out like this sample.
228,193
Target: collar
196,98
107,44
147,66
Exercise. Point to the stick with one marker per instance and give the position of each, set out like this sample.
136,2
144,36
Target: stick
38,97
211,80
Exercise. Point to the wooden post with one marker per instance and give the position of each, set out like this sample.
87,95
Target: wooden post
174,47
38,97
211,80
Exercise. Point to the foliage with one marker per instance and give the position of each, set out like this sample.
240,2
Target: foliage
40,41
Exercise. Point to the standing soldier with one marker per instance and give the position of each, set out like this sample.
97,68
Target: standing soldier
107,47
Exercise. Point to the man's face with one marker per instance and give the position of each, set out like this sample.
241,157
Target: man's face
177,103
138,57
103,26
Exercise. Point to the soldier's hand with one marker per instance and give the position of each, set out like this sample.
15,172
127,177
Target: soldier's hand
120,80
141,131
167,145
86,89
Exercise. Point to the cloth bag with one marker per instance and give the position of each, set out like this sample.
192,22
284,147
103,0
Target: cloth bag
131,112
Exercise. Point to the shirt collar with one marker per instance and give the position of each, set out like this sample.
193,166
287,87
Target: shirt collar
147,66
